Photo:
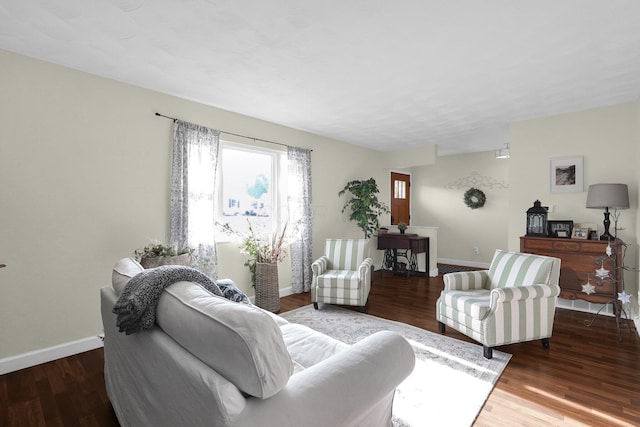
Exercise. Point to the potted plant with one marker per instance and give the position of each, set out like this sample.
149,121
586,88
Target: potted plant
402,227
157,253
364,204
265,252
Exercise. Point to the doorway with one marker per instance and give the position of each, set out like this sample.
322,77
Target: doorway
400,198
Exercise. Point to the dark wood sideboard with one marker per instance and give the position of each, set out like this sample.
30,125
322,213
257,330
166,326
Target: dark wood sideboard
580,260
404,245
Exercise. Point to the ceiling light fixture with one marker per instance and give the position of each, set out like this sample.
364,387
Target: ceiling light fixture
503,153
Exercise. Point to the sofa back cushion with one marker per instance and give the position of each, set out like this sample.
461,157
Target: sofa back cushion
345,254
241,342
510,269
123,271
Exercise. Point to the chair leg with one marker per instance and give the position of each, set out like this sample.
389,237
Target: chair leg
545,342
315,305
441,327
488,352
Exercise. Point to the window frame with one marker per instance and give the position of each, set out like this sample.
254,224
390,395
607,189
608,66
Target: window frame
277,180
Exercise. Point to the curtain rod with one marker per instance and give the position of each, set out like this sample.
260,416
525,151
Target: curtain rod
234,134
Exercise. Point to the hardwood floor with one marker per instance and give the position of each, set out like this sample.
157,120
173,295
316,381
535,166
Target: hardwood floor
587,378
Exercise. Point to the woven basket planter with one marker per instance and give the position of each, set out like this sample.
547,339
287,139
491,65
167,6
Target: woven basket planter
267,289
184,259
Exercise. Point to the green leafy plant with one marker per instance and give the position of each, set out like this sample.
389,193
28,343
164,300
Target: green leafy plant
260,246
158,249
402,227
364,204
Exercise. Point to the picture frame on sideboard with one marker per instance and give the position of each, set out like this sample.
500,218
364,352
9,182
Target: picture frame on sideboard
580,233
560,228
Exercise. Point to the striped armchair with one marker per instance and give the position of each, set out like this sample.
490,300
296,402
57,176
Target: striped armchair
513,301
343,274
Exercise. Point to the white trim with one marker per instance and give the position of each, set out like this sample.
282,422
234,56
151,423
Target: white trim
463,263
36,357
286,291
283,292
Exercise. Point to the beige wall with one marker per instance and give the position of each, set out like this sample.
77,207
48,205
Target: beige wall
608,139
438,200
84,167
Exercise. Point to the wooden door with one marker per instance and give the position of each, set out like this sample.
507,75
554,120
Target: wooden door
400,198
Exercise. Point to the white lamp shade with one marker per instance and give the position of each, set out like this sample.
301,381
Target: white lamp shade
608,196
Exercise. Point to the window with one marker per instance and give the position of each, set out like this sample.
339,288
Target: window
399,189
251,183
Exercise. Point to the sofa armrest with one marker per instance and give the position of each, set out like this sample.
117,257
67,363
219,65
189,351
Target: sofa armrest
365,267
466,280
319,266
340,389
519,293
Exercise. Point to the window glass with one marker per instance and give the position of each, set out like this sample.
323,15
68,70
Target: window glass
399,189
249,187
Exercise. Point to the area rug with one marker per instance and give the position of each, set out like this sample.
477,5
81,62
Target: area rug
451,380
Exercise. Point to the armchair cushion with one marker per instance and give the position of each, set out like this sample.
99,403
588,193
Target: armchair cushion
474,303
345,254
510,269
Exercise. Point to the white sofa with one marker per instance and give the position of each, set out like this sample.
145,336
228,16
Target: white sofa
209,361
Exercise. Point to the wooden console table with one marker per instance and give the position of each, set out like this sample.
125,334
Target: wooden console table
404,245
580,260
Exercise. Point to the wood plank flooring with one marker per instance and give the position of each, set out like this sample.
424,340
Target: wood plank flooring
587,378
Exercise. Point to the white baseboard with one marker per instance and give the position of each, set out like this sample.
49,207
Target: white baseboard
286,291
37,357
432,273
33,358
464,263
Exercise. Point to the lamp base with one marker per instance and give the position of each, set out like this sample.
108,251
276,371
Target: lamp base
607,236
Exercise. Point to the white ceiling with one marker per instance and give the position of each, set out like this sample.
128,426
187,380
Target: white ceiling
382,74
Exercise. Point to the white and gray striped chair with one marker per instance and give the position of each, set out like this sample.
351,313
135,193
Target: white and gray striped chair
343,274
513,301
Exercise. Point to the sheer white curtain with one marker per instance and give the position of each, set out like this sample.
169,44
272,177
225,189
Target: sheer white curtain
299,182
193,184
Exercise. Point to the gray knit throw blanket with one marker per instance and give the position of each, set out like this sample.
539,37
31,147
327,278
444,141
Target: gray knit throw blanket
136,305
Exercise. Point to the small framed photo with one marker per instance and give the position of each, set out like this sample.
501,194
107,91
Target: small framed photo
580,233
593,229
562,229
566,174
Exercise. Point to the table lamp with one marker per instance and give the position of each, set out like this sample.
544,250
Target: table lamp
607,196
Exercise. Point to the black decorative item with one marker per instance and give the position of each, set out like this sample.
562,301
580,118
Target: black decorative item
606,196
474,198
537,220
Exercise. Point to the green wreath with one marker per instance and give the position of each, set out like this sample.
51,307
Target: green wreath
474,198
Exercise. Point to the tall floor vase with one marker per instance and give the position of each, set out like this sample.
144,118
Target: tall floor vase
267,289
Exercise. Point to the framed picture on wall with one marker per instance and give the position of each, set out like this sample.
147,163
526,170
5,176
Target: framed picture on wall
566,174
